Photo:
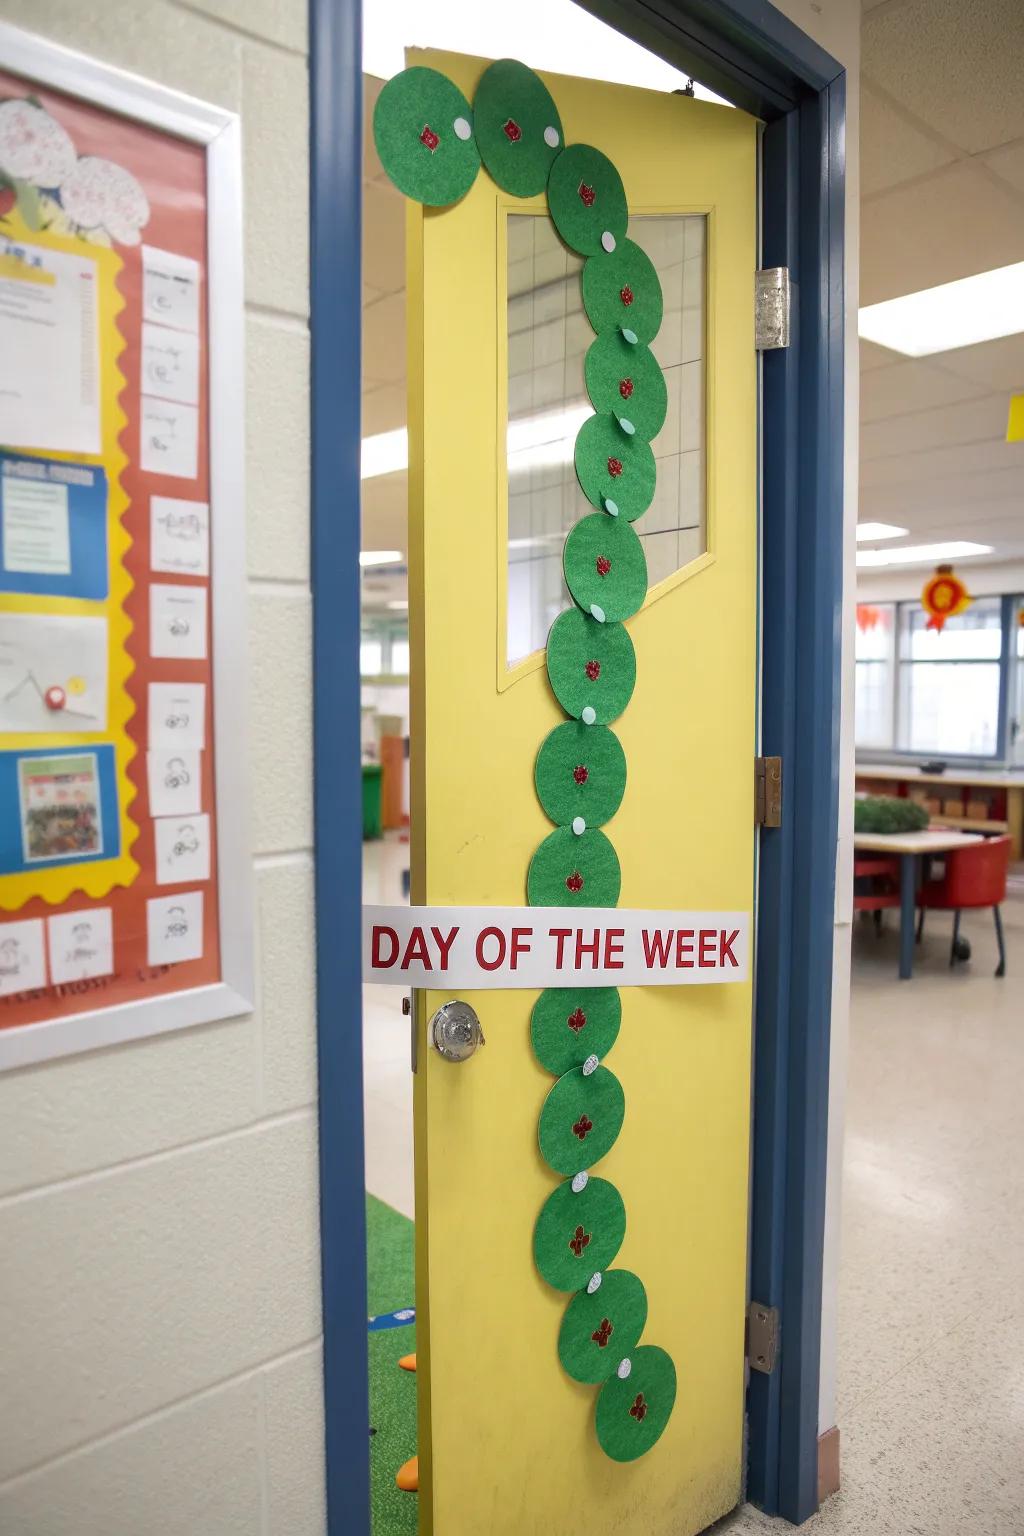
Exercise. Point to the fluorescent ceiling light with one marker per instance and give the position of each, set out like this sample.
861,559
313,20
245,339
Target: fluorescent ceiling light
379,556
922,554
956,314
546,34
383,454
879,531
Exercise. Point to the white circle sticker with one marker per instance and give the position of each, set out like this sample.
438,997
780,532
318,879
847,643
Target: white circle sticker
608,241
551,137
462,128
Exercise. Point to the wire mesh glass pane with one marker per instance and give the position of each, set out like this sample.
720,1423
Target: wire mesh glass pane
548,336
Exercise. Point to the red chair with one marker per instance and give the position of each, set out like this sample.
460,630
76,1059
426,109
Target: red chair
973,877
876,884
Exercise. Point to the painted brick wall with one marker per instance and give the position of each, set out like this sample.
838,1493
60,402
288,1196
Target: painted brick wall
158,1202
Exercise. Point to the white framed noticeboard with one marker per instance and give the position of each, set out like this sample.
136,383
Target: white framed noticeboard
125,876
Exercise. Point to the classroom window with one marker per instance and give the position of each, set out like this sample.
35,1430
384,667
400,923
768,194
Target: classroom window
371,657
949,681
875,674
1017,692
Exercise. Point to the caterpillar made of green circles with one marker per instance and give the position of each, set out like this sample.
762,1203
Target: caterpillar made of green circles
431,144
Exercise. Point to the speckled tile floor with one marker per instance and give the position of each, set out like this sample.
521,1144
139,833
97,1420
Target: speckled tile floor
931,1370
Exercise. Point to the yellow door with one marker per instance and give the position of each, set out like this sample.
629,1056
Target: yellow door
507,1438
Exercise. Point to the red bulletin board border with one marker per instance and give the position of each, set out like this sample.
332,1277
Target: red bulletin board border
172,167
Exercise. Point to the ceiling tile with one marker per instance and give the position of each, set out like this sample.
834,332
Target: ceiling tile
942,463
1008,163
384,340
372,168
956,223
384,409
955,65
385,512
995,364
891,151
873,356
911,385
888,503
384,237
974,421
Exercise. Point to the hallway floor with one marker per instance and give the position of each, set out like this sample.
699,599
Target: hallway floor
931,1310
931,1306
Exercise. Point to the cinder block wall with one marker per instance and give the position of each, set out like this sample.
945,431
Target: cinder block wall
159,1261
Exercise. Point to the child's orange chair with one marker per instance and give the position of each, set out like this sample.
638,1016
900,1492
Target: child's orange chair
972,877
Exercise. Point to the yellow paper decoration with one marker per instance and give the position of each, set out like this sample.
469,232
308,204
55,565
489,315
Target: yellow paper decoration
93,878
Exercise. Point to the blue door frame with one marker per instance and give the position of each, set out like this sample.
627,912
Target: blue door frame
750,53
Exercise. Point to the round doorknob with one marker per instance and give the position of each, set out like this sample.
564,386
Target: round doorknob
455,1031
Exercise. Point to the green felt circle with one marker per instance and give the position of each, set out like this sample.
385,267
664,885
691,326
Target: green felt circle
601,445
622,288
590,664
626,381
571,871
568,1024
621,590
624,1435
581,1119
580,771
512,109
578,1234
576,173
599,1330
422,101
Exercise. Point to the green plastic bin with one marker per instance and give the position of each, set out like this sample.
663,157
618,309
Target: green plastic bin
372,774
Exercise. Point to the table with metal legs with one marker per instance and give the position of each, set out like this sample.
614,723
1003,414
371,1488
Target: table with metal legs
910,848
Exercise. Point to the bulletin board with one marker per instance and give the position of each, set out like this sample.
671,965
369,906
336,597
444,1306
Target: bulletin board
124,905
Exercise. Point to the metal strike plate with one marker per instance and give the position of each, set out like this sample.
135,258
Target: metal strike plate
455,1031
771,308
762,1337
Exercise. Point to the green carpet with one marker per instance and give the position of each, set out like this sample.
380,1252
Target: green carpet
390,1286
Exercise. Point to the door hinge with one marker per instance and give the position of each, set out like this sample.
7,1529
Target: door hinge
771,308
768,791
762,1337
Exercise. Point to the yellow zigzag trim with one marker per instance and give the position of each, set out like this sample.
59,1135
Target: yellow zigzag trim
97,879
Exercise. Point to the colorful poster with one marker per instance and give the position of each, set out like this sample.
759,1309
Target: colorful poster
54,527
53,673
108,816
60,808
49,348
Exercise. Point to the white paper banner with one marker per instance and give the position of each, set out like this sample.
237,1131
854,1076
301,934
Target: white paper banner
477,947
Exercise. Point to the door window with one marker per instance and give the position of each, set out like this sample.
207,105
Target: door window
548,337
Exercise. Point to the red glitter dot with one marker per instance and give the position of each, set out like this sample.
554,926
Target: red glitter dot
581,773
512,131
429,138
625,388
615,468
574,882
577,1020
587,194
626,295
603,564
593,670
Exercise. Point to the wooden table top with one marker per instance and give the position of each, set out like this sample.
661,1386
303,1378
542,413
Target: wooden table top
933,840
